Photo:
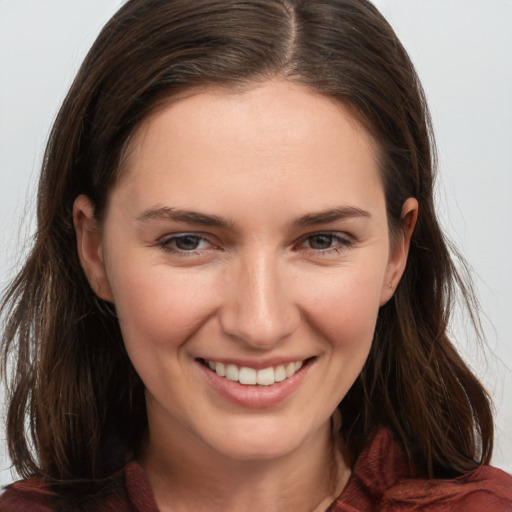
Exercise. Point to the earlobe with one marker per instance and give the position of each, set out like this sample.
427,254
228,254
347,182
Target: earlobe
90,247
400,249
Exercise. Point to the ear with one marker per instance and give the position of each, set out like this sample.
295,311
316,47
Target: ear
90,247
399,249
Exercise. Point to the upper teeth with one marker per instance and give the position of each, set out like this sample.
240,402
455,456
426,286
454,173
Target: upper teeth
250,376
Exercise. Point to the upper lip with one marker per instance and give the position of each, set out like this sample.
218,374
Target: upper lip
257,364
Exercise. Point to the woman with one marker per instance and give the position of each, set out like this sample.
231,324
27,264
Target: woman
239,291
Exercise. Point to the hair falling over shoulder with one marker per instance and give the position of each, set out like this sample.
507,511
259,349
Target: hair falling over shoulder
69,378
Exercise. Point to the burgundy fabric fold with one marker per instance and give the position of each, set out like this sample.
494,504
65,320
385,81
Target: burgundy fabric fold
382,480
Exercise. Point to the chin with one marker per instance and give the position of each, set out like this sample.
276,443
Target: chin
261,442
260,451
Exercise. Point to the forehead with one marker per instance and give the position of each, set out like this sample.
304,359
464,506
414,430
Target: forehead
274,136
274,105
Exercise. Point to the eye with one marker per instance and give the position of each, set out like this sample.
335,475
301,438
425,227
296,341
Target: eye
184,243
325,243
321,241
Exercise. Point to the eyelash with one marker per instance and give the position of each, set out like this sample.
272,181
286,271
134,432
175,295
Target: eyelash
341,244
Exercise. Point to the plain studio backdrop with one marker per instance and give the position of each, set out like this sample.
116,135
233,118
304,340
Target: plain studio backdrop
463,53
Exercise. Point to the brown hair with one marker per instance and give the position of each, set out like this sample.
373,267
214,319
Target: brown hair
70,376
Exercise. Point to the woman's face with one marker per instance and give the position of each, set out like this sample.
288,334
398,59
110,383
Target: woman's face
247,236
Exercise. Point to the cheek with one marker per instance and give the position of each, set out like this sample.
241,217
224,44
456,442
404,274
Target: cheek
345,309
157,306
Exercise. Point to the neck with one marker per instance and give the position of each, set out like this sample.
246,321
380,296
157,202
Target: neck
185,475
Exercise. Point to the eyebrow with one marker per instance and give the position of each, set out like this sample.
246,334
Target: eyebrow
204,219
190,216
331,215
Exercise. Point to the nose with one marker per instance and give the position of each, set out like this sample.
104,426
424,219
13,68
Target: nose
259,309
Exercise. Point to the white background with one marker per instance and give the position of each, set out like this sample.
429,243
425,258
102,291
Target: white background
463,53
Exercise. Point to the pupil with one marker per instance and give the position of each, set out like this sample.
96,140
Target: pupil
320,241
187,243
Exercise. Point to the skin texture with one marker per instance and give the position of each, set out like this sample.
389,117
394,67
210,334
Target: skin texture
261,283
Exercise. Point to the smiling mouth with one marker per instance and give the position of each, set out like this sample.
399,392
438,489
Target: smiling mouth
250,376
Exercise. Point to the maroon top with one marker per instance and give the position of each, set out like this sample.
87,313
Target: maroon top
381,481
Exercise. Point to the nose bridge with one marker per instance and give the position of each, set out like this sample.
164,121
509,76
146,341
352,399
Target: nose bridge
260,309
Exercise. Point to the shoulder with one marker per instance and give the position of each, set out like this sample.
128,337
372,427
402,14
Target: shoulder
485,488
31,494
382,480
127,491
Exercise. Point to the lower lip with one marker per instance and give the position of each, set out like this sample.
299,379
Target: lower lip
254,397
